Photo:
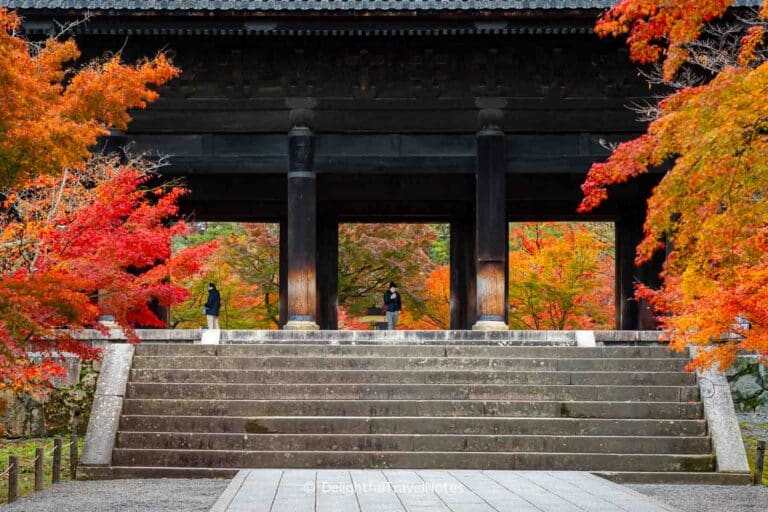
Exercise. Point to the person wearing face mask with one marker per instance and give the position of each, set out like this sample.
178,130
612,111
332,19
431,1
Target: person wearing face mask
392,305
212,307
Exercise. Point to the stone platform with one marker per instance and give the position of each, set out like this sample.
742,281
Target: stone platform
451,337
276,490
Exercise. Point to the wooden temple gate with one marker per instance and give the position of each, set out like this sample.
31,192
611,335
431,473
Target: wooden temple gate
469,113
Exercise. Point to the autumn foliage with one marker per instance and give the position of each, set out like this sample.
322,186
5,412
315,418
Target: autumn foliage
560,277
710,209
51,114
660,29
245,267
79,237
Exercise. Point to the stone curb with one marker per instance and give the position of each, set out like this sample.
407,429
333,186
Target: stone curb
720,414
229,494
107,405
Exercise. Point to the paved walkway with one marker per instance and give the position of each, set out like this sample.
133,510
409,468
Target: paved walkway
275,490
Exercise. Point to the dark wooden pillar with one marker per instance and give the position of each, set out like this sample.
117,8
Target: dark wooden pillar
630,313
301,225
328,273
650,275
627,237
491,224
463,292
283,275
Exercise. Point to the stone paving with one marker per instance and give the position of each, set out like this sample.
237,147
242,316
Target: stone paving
276,490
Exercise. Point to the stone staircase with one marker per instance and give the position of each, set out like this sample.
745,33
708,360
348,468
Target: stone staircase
629,412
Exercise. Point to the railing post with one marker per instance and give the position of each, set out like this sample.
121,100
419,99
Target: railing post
39,460
759,458
13,478
56,470
73,457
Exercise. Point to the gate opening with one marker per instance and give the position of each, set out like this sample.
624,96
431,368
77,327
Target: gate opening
414,256
245,268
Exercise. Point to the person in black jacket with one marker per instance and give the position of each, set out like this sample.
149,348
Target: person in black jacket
212,307
393,306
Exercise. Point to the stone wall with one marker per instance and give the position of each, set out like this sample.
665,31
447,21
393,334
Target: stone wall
61,410
748,379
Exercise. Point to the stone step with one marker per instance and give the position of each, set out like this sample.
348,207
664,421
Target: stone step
415,443
413,460
411,392
690,478
154,349
436,408
676,478
664,364
412,425
85,472
411,377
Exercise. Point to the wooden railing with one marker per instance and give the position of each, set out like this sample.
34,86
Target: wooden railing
13,469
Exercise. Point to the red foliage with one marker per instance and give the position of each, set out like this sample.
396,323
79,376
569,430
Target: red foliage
62,239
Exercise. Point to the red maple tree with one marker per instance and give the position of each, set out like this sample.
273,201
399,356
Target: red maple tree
76,246
72,228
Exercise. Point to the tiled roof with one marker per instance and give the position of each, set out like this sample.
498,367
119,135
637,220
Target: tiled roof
307,5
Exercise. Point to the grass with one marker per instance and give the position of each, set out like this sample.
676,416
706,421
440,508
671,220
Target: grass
25,450
751,433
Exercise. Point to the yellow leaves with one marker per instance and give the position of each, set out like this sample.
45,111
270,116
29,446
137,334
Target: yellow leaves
560,277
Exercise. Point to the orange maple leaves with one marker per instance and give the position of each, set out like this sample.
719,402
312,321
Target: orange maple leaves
50,115
710,207
561,277
660,28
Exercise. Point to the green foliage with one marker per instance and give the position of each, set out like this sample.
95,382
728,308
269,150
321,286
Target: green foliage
441,247
751,433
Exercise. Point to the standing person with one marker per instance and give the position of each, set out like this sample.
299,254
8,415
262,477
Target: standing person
393,305
212,307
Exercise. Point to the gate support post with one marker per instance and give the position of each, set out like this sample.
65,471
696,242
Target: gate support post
328,273
491,224
463,293
302,224
632,314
